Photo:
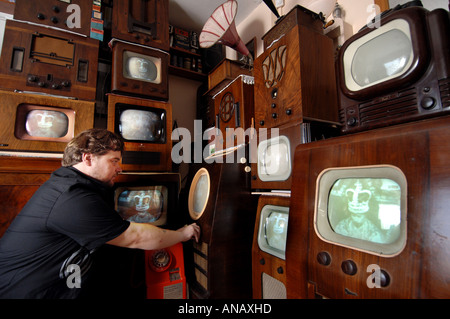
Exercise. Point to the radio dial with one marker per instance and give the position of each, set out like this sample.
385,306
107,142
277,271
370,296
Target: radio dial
65,84
32,78
55,86
55,9
261,122
288,111
40,16
54,20
274,115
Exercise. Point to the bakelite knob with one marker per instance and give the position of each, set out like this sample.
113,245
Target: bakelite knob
349,267
324,258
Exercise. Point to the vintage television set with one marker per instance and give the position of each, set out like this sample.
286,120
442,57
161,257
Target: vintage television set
272,160
39,123
221,203
55,13
269,246
142,22
42,59
295,75
234,108
139,70
369,210
397,71
146,127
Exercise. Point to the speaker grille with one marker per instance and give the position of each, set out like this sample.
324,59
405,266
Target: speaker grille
272,288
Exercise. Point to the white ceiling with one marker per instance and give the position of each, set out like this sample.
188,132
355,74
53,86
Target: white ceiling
192,14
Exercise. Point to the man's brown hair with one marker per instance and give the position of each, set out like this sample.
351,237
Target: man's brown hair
94,141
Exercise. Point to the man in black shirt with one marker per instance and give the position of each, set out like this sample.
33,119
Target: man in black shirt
46,251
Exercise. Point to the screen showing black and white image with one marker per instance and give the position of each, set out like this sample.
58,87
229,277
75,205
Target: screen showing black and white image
46,123
141,125
143,204
276,230
141,67
366,208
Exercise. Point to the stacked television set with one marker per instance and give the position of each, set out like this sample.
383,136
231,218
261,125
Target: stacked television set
48,76
138,107
289,111
367,206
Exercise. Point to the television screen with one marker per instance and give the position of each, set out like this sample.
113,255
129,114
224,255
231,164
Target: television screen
362,208
46,123
143,204
199,194
389,50
141,67
141,124
272,232
366,208
274,159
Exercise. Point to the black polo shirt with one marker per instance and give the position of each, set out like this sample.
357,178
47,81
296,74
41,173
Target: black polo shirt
47,249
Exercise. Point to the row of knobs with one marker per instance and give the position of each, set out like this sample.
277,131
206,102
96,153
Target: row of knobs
35,79
55,20
350,268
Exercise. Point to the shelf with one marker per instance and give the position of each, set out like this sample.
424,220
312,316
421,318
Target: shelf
185,73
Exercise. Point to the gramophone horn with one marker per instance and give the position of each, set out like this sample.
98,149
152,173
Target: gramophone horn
220,28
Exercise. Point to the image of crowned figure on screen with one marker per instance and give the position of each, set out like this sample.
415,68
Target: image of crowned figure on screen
143,205
366,209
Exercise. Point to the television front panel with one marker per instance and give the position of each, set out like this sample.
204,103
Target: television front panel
37,123
397,72
234,108
146,127
295,82
142,22
269,245
368,214
40,59
139,70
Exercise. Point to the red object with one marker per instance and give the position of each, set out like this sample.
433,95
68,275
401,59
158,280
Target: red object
164,274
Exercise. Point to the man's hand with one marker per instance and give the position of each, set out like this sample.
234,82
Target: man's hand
191,231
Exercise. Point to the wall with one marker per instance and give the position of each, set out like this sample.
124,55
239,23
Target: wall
356,13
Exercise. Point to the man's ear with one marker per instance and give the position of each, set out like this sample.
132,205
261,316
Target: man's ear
87,159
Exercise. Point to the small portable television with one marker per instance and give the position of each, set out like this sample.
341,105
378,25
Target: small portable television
366,213
39,123
396,70
139,70
42,59
269,247
146,126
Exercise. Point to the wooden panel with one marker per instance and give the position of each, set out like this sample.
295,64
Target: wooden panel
22,69
143,22
234,107
420,150
19,179
295,81
54,13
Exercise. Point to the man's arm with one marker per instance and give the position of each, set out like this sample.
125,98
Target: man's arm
149,237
